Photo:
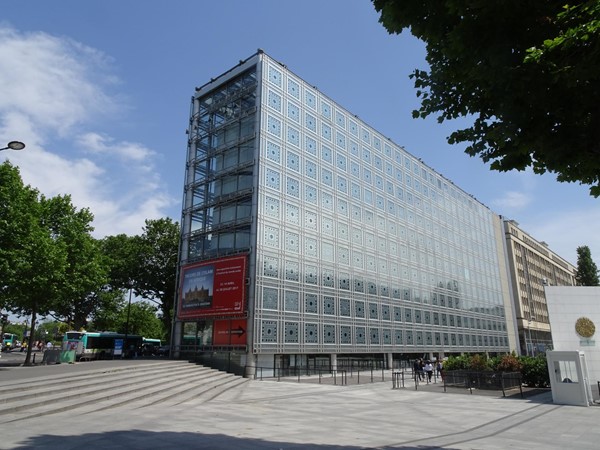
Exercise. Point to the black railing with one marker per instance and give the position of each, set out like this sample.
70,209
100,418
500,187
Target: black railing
325,375
494,381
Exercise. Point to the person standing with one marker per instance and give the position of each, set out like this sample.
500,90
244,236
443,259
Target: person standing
417,369
429,370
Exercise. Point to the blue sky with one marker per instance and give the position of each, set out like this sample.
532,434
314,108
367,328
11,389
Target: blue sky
100,92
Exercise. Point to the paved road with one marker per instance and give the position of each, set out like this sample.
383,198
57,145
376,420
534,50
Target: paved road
288,415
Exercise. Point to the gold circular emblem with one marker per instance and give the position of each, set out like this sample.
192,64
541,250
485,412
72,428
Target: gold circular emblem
585,327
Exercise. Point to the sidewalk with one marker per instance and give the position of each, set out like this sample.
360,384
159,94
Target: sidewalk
287,415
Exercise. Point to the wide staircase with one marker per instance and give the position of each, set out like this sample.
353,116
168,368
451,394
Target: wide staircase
139,385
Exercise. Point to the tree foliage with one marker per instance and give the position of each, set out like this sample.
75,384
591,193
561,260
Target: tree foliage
587,271
48,257
157,265
526,72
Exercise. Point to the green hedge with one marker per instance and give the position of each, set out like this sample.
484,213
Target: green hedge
533,369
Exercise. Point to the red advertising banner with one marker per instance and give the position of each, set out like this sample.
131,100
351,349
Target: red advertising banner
229,332
213,288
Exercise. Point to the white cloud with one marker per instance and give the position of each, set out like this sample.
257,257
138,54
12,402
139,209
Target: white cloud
54,81
106,146
52,90
512,200
567,230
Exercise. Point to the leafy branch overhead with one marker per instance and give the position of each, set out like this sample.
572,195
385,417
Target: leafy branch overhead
526,73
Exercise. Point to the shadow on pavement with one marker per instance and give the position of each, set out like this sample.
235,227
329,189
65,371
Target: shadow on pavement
140,439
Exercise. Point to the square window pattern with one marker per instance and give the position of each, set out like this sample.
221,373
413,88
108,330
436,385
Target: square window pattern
374,336
345,334
398,337
272,207
293,112
344,307
387,336
274,100
293,136
327,254
311,146
373,312
292,214
273,179
326,110
291,332
359,285
310,276
275,76
310,220
311,170
293,89
361,335
270,298
340,119
329,334
310,303
327,226
326,132
327,201
328,305
274,126
342,209
310,99
328,278
385,312
270,268
293,187
327,177
269,331
293,161
292,271
359,309
310,333
310,122
292,241
291,301
345,281
273,152
310,247
310,195
271,237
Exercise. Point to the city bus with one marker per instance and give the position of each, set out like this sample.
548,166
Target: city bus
101,344
150,346
9,341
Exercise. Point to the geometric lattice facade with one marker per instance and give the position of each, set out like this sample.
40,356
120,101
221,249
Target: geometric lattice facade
354,245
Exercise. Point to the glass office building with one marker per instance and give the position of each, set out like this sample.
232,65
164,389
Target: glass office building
308,235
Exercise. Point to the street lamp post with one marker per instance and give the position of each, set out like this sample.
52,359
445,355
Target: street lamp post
529,330
13,145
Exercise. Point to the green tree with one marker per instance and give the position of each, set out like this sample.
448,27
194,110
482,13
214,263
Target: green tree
86,269
157,265
526,73
47,258
108,317
34,260
142,320
587,271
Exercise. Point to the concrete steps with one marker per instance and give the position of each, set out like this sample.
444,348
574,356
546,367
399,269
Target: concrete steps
163,384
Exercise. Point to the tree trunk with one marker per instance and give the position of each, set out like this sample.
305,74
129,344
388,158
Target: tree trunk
31,337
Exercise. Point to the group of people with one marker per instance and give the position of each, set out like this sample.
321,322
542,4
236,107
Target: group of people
423,369
37,345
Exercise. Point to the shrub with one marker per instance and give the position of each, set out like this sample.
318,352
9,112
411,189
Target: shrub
509,363
480,362
462,362
535,371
